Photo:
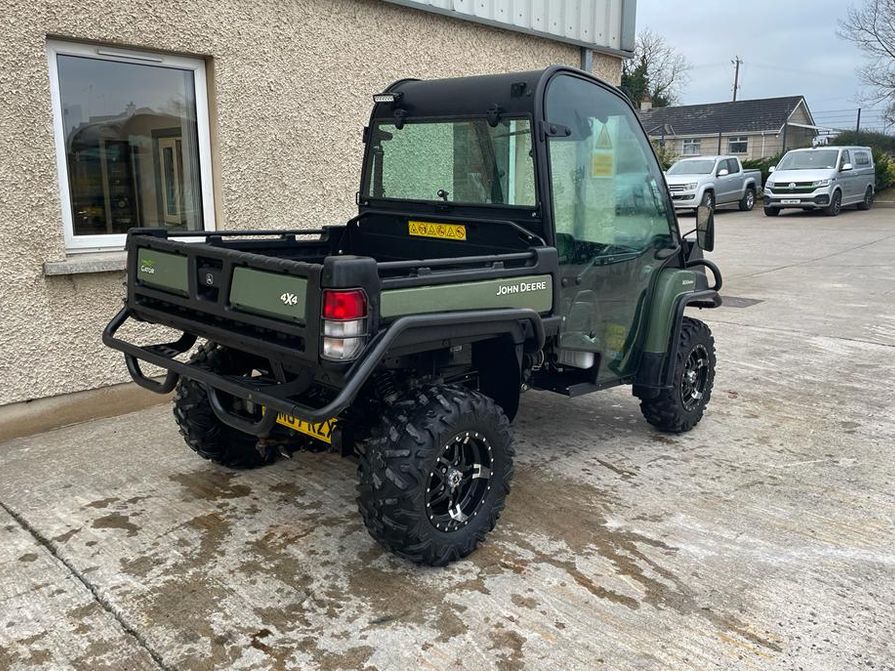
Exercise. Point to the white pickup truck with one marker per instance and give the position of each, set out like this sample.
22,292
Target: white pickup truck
712,181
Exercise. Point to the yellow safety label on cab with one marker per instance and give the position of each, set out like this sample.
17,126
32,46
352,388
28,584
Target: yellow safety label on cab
428,229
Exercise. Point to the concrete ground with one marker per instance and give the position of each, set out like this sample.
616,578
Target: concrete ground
763,539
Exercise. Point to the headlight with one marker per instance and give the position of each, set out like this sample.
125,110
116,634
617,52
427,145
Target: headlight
821,182
691,187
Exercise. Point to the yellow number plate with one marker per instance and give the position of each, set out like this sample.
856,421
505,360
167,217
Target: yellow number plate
319,430
428,229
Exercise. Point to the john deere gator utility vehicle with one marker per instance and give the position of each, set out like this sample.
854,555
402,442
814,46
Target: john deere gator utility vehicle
513,232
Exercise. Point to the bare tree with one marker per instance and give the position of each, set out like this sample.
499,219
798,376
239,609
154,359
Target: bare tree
871,27
666,69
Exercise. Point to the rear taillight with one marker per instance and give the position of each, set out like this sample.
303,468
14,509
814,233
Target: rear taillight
344,323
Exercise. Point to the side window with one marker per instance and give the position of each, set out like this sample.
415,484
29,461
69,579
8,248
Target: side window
844,158
862,159
733,167
606,185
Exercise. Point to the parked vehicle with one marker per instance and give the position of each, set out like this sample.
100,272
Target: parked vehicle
712,181
406,335
826,178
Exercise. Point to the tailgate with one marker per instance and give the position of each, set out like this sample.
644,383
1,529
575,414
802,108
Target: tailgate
237,298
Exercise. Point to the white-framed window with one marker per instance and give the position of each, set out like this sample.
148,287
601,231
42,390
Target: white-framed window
738,145
691,147
132,142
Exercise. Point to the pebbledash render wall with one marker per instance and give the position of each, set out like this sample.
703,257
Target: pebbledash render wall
290,87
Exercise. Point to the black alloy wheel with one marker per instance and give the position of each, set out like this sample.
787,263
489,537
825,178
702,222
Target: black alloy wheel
695,378
459,481
869,197
835,206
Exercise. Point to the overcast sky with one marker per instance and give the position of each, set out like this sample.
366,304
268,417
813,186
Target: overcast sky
788,48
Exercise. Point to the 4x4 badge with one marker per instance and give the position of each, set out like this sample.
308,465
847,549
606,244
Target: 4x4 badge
289,299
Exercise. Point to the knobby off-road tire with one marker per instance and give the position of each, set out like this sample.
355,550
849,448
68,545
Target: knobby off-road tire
747,202
680,408
411,464
205,434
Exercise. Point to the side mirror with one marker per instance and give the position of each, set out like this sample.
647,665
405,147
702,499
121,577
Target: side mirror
846,167
705,227
772,168
723,172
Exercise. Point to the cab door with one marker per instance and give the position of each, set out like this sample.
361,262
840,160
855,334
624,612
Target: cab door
612,217
734,180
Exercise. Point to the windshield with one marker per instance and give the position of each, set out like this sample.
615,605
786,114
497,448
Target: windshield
692,167
810,160
466,161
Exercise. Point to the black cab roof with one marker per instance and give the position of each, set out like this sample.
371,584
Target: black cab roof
513,94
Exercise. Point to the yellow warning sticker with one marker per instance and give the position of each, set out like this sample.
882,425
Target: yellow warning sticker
602,164
428,229
615,337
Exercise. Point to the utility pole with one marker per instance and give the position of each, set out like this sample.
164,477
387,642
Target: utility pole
858,124
736,77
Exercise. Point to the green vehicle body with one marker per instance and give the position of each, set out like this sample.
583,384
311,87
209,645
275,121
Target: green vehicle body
550,258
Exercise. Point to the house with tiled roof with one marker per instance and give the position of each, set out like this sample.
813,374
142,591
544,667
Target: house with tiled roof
749,129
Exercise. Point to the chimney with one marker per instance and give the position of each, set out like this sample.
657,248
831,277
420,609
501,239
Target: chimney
646,104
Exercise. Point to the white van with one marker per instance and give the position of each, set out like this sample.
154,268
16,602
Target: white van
825,178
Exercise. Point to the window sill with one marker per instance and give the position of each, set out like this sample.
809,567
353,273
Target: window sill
81,264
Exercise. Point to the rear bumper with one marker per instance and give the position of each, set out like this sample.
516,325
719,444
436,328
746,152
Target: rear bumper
277,396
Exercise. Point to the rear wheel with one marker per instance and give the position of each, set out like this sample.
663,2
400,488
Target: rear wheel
771,211
867,203
835,206
435,475
680,408
206,435
747,202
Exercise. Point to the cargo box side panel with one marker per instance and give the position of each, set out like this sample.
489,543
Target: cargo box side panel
533,291
275,295
162,270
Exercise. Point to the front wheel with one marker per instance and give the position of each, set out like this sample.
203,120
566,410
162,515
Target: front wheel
867,203
680,408
708,200
435,475
747,202
835,206
771,211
